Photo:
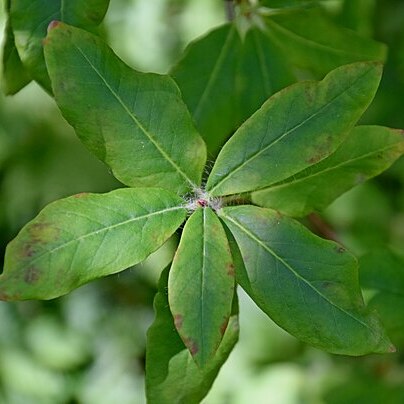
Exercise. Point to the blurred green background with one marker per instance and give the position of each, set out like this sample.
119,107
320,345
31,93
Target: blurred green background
88,347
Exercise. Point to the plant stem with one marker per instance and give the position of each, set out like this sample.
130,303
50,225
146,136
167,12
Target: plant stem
229,6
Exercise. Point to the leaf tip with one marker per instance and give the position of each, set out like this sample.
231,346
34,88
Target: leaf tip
391,349
53,24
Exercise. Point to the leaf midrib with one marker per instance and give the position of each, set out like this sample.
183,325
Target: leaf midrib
215,72
327,169
106,228
134,118
270,251
262,64
288,132
202,283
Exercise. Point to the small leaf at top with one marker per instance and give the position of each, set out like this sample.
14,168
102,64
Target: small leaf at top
172,376
311,40
307,285
224,79
201,285
135,122
296,128
367,151
87,236
30,19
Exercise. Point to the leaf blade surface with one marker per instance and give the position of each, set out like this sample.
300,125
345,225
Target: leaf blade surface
367,151
172,375
294,129
224,79
81,238
307,285
201,285
30,19
135,122
311,40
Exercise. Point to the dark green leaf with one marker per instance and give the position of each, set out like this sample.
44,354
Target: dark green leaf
383,271
201,285
172,376
312,41
135,122
287,3
296,128
367,151
224,79
307,285
14,75
30,19
87,236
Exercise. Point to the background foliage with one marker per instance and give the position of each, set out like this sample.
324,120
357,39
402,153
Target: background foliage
89,346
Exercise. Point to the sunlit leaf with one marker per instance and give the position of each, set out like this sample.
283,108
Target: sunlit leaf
87,236
172,376
135,122
307,285
201,285
296,128
367,151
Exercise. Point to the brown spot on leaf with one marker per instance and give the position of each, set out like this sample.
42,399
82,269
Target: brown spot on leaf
178,320
223,327
27,250
230,269
4,296
322,150
42,233
80,195
191,345
32,275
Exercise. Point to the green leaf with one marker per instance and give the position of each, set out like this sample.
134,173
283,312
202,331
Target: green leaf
172,376
135,122
224,79
294,129
383,272
30,19
312,41
366,152
201,285
87,236
14,75
307,285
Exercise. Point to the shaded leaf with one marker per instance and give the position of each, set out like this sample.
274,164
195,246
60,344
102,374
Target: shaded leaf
14,75
367,151
172,376
383,271
307,285
87,236
296,128
135,122
310,40
201,285
224,79
30,19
